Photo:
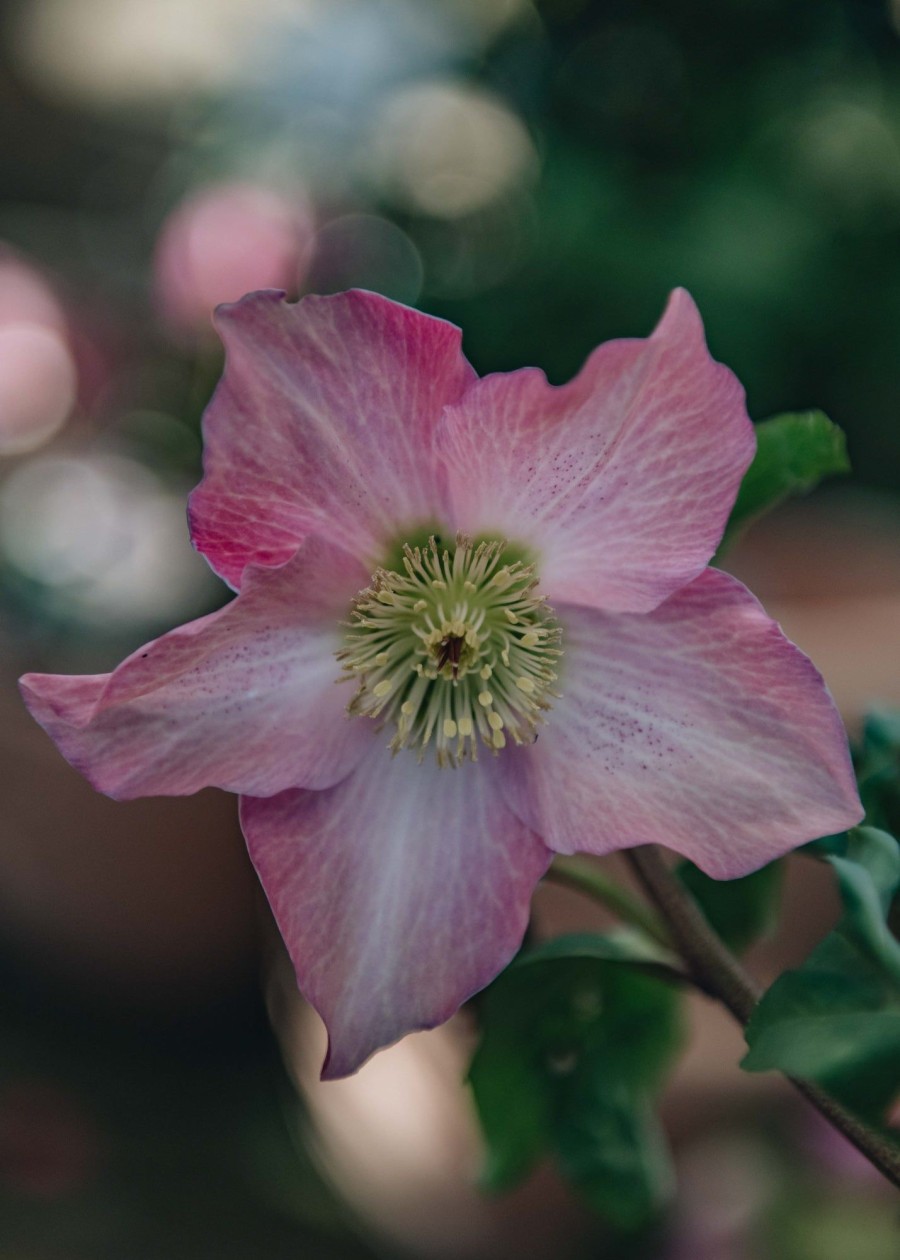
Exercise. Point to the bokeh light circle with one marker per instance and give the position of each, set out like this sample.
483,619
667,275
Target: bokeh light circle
38,382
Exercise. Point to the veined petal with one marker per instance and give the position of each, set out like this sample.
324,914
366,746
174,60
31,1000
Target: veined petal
399,893
697,726
244,699
622,480
323,422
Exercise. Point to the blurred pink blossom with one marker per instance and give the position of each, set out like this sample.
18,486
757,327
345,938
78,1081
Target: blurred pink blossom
25,296
224,240
38,375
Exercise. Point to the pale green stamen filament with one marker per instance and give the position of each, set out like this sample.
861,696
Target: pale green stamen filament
455,648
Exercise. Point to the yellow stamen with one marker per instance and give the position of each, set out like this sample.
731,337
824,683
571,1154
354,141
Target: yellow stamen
427,636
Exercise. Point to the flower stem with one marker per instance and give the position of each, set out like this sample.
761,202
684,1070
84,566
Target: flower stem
718,973
584,877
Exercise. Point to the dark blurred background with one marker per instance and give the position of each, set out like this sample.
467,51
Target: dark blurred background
542,174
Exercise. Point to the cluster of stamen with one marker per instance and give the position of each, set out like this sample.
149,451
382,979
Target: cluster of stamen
454,648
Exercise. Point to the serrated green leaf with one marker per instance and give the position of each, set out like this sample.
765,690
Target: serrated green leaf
836,1019
740,910
794,452
575,1038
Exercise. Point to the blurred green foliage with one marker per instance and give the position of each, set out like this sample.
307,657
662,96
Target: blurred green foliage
749,151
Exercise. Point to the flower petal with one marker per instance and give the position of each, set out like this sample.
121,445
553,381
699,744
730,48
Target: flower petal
399,893
322,423
622,480
697,726
244,699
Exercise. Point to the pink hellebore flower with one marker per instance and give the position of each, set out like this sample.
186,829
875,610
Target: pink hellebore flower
397,526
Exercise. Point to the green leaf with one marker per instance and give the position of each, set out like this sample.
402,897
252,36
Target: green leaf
740,910
836,1019
611,1147
878,769
868,878
794,452
576,1036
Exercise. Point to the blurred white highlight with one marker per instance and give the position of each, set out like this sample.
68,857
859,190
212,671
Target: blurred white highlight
106,532
37,386
447,149
107,52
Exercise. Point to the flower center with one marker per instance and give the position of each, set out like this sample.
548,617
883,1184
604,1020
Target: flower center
455,647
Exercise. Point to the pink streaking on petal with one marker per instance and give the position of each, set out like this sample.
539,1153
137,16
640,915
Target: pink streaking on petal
622,480
697,726
323,422
243,699
399,894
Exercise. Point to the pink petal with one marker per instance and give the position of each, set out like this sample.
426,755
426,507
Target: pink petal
697,726
620,481
323,423
399,893
244,699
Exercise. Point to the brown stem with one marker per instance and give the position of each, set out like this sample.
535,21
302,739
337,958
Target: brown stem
716,970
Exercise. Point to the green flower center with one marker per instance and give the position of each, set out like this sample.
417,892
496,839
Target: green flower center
453,648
